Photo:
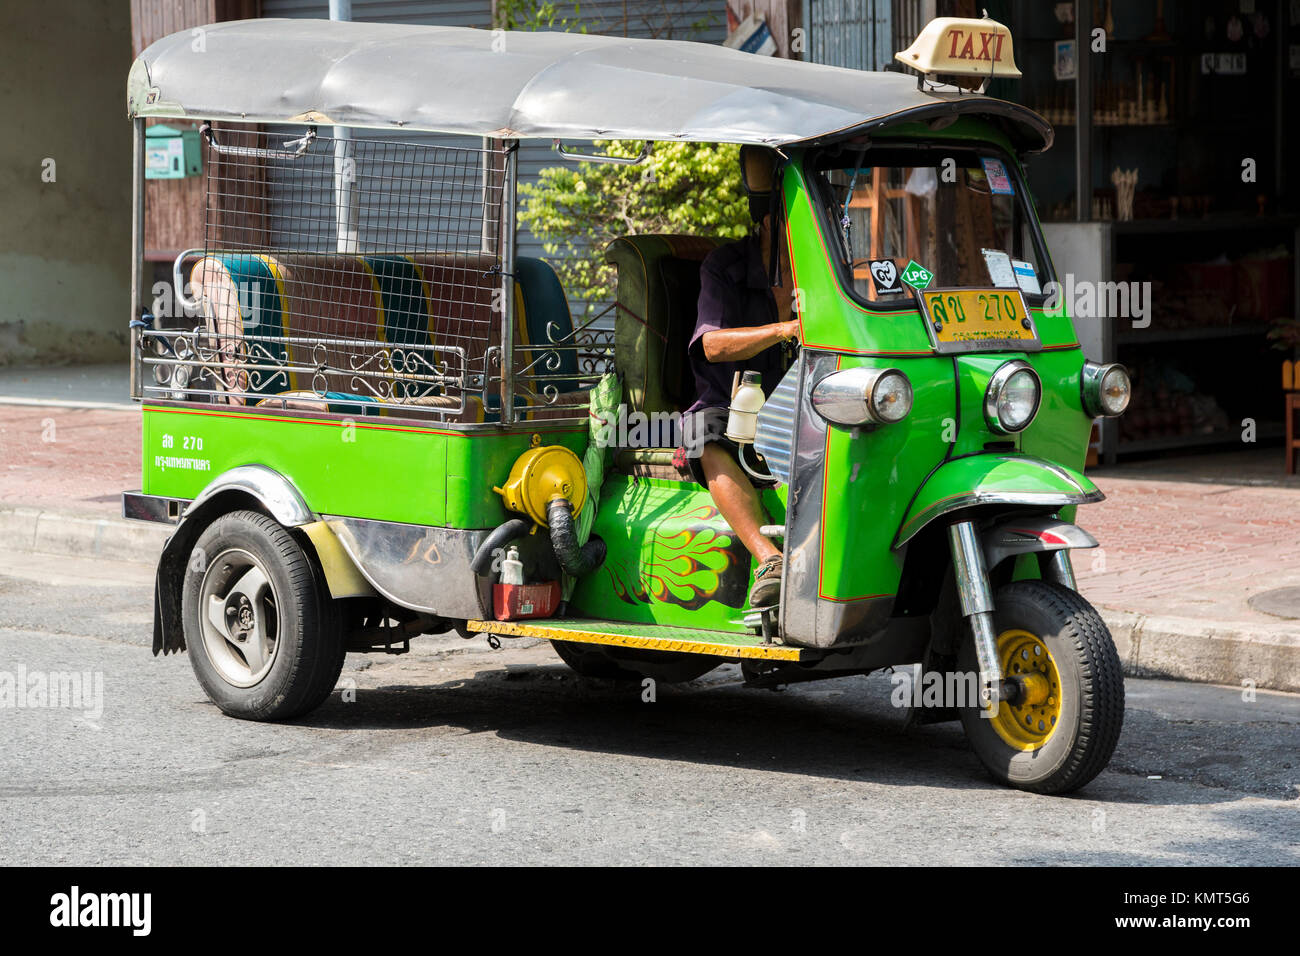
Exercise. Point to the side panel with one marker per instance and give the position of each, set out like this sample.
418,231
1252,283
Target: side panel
478,463
1061,430
351,467
672,559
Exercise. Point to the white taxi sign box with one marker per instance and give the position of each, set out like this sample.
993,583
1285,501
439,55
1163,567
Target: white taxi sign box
959,46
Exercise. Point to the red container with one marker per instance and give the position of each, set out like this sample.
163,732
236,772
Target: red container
516,602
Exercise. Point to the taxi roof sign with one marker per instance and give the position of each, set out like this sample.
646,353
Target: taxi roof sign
959,46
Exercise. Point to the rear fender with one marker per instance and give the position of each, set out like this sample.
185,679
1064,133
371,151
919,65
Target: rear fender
248,486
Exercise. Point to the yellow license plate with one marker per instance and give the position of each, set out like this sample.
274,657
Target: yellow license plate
979,320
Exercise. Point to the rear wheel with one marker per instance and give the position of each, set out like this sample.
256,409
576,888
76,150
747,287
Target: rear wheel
264,637
1063,728
617,663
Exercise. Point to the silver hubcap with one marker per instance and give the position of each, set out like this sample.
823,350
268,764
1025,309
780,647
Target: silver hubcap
240,618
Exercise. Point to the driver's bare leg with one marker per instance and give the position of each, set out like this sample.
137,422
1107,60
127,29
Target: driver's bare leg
737,499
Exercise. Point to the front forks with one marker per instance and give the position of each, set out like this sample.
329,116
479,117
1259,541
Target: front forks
971,573
976,597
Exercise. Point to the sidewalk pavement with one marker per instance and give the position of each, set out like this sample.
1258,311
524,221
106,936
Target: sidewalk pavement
1178,563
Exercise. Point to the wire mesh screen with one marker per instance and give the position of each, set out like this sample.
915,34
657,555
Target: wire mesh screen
342,274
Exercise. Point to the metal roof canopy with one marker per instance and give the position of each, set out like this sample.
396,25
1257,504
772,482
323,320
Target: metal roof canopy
519,85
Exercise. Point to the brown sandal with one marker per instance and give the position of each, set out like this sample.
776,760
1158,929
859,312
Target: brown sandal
767,583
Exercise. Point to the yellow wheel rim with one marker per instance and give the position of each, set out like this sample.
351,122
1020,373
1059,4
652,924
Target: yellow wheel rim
1029,723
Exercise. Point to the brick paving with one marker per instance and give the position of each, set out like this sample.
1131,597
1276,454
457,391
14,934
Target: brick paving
69,460
1190,549
1187,549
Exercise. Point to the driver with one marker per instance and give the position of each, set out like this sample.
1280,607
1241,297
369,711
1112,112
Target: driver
745,323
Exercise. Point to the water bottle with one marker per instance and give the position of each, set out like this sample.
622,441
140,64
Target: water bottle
512,569
742,422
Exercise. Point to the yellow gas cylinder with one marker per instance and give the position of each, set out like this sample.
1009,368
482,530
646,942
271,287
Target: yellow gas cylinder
540,474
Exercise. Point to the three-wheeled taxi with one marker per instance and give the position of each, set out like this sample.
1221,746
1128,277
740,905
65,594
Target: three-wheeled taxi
370,417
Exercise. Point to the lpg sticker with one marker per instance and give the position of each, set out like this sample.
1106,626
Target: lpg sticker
999,181
917,275
1026,277
884,276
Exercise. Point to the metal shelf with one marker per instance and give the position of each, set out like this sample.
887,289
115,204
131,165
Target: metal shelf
1195,334
1130,227
1170,442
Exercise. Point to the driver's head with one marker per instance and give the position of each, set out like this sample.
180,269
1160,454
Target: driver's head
758,174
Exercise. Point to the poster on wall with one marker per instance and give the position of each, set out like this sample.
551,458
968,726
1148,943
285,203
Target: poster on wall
1063,63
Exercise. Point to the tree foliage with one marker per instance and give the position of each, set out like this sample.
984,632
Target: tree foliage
688,188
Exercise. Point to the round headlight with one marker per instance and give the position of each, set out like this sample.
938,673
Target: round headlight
1106,389
863,396
1011,400
891,399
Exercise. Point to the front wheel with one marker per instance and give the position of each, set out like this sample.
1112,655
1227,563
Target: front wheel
264,637
1062,730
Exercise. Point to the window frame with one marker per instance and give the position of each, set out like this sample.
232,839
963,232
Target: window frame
814,171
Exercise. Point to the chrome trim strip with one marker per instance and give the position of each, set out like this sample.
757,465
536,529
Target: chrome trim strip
798,616
275,492
1035,499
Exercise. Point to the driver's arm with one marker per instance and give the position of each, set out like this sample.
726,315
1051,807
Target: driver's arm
737,345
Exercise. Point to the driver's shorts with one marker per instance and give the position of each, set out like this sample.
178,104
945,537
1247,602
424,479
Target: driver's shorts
709,426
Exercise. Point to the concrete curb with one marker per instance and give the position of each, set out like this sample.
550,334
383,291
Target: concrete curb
81,536
1214,652
1182,648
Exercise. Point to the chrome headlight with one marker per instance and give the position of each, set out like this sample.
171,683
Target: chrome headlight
1011,400
1106,389
861,396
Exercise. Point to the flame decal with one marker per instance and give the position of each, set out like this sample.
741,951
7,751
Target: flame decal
688,561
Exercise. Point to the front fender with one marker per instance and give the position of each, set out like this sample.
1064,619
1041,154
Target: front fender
994,479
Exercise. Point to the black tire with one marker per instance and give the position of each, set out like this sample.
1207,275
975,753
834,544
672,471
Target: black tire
611,663
307,647
1091,703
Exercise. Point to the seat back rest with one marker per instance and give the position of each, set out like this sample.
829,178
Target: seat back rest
544,318
649,317
400,300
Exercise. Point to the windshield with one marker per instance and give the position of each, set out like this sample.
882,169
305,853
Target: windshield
928,218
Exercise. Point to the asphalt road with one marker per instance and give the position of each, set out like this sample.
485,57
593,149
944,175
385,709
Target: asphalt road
460,754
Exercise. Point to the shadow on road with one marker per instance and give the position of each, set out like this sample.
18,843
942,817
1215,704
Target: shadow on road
844,729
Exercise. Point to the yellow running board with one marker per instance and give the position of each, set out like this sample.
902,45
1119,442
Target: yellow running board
652,637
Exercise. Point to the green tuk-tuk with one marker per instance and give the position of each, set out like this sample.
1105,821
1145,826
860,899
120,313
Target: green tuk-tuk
369,416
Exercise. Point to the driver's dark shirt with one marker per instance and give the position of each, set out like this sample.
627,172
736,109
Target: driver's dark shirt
734,294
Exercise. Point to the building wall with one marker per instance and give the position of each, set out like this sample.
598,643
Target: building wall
65,245
703,20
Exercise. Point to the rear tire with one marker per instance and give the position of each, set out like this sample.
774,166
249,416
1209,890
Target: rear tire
264,636
1060,743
